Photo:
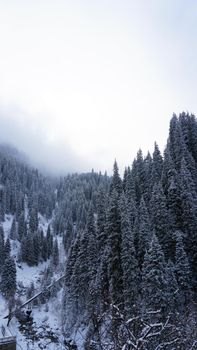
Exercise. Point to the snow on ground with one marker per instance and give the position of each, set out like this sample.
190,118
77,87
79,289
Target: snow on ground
46,318
7,225
43,223
62,256
79,337
46,326
27,274
3,312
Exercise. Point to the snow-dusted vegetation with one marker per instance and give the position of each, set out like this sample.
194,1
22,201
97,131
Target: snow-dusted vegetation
96,263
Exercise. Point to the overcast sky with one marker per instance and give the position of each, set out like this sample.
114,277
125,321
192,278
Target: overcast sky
85,82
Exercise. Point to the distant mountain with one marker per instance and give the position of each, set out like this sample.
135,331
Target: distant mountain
11,151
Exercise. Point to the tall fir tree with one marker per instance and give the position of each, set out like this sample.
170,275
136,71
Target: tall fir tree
113,230
55,254
49,239
182,269
129,262
22,228
171,288
8,279
116,183
101,219
33,220
7,248
157,167
153,278
189,216
160,220
144,233
130,189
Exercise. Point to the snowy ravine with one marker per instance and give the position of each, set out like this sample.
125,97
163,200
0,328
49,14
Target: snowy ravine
43,331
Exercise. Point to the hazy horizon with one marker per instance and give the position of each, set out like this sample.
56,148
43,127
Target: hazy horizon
83,83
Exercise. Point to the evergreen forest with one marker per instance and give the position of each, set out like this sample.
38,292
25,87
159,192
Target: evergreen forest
130,244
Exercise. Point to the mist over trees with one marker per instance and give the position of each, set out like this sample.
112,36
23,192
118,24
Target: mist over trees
130,244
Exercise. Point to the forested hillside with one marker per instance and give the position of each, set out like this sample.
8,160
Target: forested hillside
131,274
39,217
127,246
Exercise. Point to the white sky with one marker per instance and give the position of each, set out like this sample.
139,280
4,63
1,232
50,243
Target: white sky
83,82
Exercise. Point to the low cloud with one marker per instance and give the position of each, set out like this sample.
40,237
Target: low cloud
31,137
